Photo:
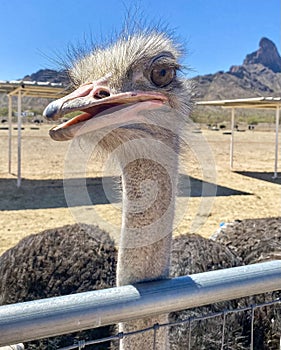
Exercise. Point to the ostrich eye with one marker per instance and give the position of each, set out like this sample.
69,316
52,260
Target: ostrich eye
162,76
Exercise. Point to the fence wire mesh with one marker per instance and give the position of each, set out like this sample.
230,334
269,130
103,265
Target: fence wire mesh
184,331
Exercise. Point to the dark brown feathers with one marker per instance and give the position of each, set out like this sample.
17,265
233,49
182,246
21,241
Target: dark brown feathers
70,259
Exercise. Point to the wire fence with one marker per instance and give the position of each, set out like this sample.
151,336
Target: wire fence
188,322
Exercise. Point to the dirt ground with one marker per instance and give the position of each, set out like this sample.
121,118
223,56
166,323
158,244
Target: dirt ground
209,193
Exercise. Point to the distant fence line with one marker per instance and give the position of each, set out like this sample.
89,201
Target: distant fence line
45,318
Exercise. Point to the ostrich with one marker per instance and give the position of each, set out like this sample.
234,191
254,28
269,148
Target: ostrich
258,240
254,240
124,84
69,259
192,253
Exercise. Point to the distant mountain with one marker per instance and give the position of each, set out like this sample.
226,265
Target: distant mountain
267,55
50,75
259,75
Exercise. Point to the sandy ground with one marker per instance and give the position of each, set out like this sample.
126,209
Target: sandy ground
247,192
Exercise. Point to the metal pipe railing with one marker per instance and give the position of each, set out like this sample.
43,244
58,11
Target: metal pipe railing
61,315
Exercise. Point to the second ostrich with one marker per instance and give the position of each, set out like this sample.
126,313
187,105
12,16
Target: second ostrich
132,87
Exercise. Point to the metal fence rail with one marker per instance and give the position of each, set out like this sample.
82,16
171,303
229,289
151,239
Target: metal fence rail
55,316
188,321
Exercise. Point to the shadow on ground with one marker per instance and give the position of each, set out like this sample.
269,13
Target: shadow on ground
265,176
46,194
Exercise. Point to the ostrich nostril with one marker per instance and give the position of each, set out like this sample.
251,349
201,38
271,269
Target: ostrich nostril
101,94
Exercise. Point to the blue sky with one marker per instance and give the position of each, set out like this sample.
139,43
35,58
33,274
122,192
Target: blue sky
217,33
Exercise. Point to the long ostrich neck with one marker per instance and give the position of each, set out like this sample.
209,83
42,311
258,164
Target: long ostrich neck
145,239
148,211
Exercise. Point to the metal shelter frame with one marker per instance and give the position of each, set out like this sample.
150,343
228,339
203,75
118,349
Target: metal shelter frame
21,89
55,91
273,103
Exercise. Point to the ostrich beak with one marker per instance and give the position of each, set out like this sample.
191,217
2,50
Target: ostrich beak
98,105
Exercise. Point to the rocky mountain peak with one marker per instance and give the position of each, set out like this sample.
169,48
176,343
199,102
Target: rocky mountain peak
259,75
267,55
49,75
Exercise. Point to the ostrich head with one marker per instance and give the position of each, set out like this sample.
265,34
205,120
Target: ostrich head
139,71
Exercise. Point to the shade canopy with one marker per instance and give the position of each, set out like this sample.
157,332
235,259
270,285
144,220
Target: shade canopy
273,103
254,102
34,89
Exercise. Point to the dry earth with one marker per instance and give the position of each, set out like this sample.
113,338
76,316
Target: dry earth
39,204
